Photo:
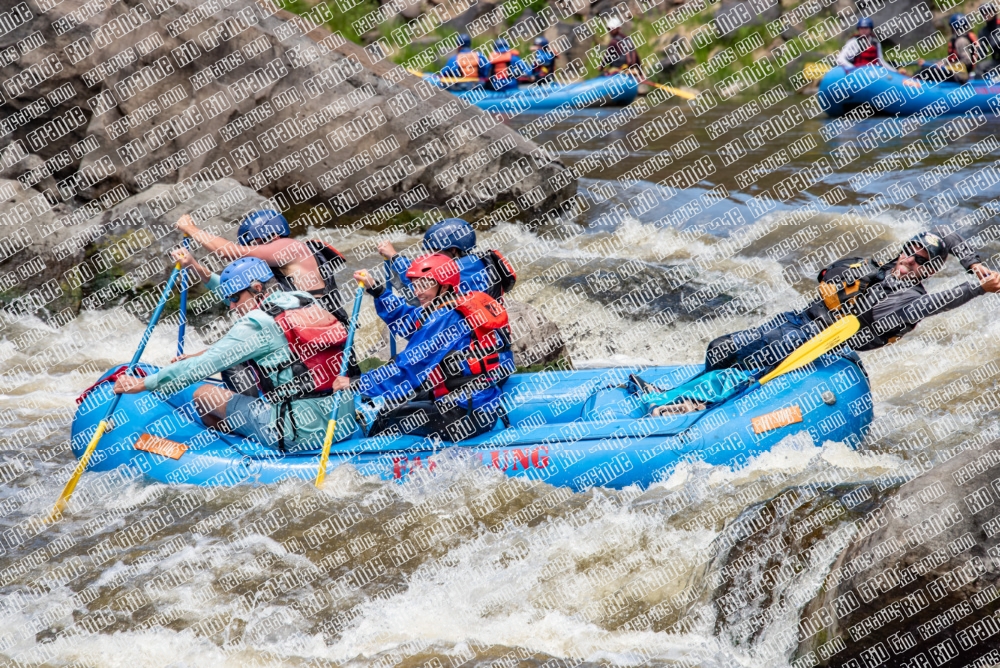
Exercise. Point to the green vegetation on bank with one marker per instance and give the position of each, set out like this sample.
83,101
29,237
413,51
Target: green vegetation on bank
705,66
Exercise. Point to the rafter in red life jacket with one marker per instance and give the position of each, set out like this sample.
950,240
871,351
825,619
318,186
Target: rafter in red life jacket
489,323
316,347
868,56
501,63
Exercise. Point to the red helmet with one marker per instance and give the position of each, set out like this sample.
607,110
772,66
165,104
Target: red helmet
440,267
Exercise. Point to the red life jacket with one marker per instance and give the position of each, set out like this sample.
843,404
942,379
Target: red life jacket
953,55
316,345
468,62
487,319
501,63
866,57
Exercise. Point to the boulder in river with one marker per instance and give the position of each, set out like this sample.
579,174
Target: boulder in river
93,258
919,584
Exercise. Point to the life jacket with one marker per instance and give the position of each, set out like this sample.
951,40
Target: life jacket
487,319
501,63
468,62
852,285
619,55
316,347
329,260
953,55
501,273
543,69
868,56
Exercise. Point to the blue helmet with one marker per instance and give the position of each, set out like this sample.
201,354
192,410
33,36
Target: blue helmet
866,22
450,233
262,225
957,21
501,45
241,273
541,42
464,41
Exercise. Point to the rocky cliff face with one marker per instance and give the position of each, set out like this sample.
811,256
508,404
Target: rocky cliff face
186,105
137,93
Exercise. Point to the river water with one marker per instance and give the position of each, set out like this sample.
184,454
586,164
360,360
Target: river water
142,574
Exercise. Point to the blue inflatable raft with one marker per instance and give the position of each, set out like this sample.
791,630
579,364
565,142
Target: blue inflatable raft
893,94
570,428
613,91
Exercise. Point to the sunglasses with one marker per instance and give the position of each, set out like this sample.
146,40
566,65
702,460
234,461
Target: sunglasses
913,251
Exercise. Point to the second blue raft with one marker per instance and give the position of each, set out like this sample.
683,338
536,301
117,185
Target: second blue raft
570,428
893,94
612,91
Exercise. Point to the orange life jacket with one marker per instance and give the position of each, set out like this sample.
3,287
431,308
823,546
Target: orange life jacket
489,323
953,55
468,62
501,63
866,57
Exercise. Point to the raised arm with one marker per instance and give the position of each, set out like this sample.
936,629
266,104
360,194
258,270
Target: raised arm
913,311
222,247
187,261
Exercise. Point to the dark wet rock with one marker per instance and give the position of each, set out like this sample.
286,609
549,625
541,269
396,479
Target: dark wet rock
534,338
462,21
771,560
735,13
645,291
37,251
100,258
309,102
918,585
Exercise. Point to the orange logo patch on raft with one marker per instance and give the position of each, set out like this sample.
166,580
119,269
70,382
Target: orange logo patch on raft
912,83
515,459
160,446
775,419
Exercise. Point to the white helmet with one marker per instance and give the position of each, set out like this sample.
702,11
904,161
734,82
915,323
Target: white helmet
614,22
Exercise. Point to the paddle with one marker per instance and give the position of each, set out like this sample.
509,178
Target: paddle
331,425
683,94
822,343
392,337
182,326
102,426
418,73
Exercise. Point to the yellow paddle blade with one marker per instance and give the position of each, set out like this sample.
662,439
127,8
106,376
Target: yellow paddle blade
683,94
331,427
824,342
814,71
67,492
